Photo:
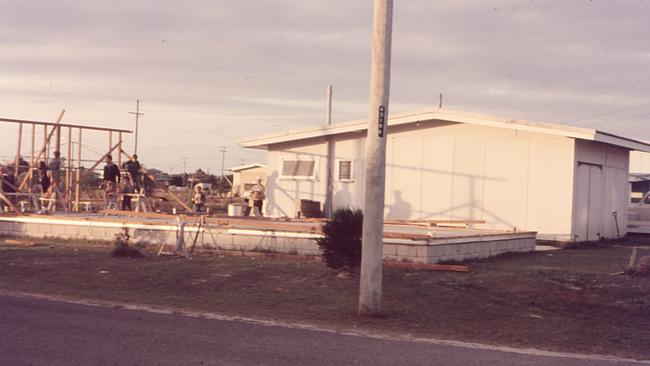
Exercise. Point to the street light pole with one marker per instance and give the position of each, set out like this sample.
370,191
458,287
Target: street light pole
373,209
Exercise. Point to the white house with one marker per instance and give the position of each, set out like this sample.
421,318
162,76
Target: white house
566,183
244,177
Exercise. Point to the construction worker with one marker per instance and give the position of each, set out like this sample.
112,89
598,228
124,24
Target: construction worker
43,179
55,172
110,182
257,195
198,200
133,168
127,190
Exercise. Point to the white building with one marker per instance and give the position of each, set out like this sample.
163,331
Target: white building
244,177
566,183
639,162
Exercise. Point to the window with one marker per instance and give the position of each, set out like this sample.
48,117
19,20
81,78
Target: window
298,169
344,173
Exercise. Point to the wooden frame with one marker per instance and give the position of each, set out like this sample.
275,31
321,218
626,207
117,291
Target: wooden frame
52,141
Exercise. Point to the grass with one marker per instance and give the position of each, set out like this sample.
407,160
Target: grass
563,300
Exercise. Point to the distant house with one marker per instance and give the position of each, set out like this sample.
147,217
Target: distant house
245,176
639,174
566,183
160,176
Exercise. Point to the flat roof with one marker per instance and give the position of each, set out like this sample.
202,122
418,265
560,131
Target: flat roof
246,167
446,115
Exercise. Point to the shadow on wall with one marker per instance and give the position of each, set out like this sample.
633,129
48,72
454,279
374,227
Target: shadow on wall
400,209
343,198
280,199
272,188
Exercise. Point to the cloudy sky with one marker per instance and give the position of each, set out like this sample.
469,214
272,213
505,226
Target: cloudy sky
211,72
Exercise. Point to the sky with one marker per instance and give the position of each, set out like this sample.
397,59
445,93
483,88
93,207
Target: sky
209,73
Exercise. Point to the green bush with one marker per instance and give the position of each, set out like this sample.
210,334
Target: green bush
341,244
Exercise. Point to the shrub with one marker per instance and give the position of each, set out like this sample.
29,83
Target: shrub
341,244
123,246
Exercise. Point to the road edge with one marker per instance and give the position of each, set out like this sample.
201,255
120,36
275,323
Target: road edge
302,326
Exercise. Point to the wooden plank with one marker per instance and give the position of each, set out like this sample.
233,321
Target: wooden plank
2,181
412,236
390,222
148,215
100,160
85,127
43,150
33,163
68,173
77,184
178,200
8,202
428,266
20,142
232,223
119,150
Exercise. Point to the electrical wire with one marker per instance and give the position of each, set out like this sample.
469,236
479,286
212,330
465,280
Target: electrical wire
614,111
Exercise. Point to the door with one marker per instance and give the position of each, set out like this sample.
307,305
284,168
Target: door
589,202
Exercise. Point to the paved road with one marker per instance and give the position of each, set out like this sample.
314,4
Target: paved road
44,332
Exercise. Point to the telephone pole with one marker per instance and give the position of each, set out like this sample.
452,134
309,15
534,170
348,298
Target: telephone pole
223,150
184,165
329,196
137,118
375,180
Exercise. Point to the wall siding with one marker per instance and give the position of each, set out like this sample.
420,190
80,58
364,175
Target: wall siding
612,191
510,179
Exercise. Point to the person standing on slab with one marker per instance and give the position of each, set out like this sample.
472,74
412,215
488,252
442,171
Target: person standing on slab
43,179
127,190
258,195
110,182
133,168
55,172
198,200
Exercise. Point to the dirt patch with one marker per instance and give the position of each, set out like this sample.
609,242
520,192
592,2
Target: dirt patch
562,300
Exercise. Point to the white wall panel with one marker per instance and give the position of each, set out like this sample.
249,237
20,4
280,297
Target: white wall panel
506,181
437,178
510,179
467,181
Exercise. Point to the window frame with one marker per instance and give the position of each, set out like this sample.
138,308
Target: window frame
312,177
337,171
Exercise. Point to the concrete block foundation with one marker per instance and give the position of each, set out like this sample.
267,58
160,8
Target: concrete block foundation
450,246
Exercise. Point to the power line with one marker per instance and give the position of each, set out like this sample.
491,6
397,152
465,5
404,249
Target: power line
608,113
623,119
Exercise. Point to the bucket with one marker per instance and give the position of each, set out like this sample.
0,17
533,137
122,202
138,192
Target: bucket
236,209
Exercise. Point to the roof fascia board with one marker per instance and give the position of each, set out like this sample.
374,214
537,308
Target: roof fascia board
607,138
454,117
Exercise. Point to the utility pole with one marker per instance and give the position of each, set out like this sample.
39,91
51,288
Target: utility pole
329,205
375,180
184,165
223,150
137,118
